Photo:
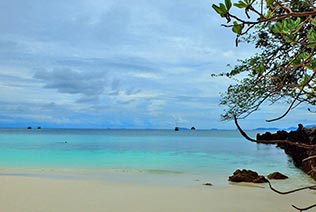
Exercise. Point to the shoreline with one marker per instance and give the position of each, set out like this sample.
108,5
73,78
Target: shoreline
117,176
33,192
141,176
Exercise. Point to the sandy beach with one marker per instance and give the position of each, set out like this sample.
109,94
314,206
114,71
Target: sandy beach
37,194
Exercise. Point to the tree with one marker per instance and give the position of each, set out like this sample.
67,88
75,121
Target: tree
284,32
284,69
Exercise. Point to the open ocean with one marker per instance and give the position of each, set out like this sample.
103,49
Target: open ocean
198,155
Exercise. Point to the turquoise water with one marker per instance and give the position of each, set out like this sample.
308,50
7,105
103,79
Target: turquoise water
200,153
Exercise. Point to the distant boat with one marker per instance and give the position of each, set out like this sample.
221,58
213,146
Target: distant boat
192,128
176,129
29,128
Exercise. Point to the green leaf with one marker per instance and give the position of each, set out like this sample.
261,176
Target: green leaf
311,36
302,56
228,4
221,10
304,80
259,69
277,28
237,28
269,2
298,21
216,8
285,29
313,21
240,5
269,14
311,65
222,7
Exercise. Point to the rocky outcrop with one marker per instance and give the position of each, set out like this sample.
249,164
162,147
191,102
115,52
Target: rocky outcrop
277,176
247,176
298,154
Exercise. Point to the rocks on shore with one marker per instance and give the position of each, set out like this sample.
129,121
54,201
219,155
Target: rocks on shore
277,176
301,135
247,176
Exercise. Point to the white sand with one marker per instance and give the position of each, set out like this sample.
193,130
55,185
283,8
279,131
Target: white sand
40,194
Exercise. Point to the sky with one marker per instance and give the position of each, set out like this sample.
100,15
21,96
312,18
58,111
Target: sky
118,64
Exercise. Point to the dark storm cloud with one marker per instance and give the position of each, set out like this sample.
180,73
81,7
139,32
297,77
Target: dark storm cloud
65,80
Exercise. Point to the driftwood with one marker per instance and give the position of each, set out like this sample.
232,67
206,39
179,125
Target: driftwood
301,145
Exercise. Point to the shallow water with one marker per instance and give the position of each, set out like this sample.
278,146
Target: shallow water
198,155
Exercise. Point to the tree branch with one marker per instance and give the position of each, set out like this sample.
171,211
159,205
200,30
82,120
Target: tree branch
301,145
304,209
290,191
286,112
274,18
293,191
309,158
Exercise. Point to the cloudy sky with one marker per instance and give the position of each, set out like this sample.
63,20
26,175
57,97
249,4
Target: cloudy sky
116,64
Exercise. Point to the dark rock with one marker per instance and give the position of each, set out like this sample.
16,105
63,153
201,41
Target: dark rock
192,128
265,136
260,179
279,135
208,184
39,127
176,129
277,176
299,127
247,176
29,128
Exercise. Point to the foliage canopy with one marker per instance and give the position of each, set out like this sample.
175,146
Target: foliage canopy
284,32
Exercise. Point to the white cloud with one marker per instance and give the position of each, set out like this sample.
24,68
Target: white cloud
146,75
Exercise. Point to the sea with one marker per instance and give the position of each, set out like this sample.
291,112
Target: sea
167,156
